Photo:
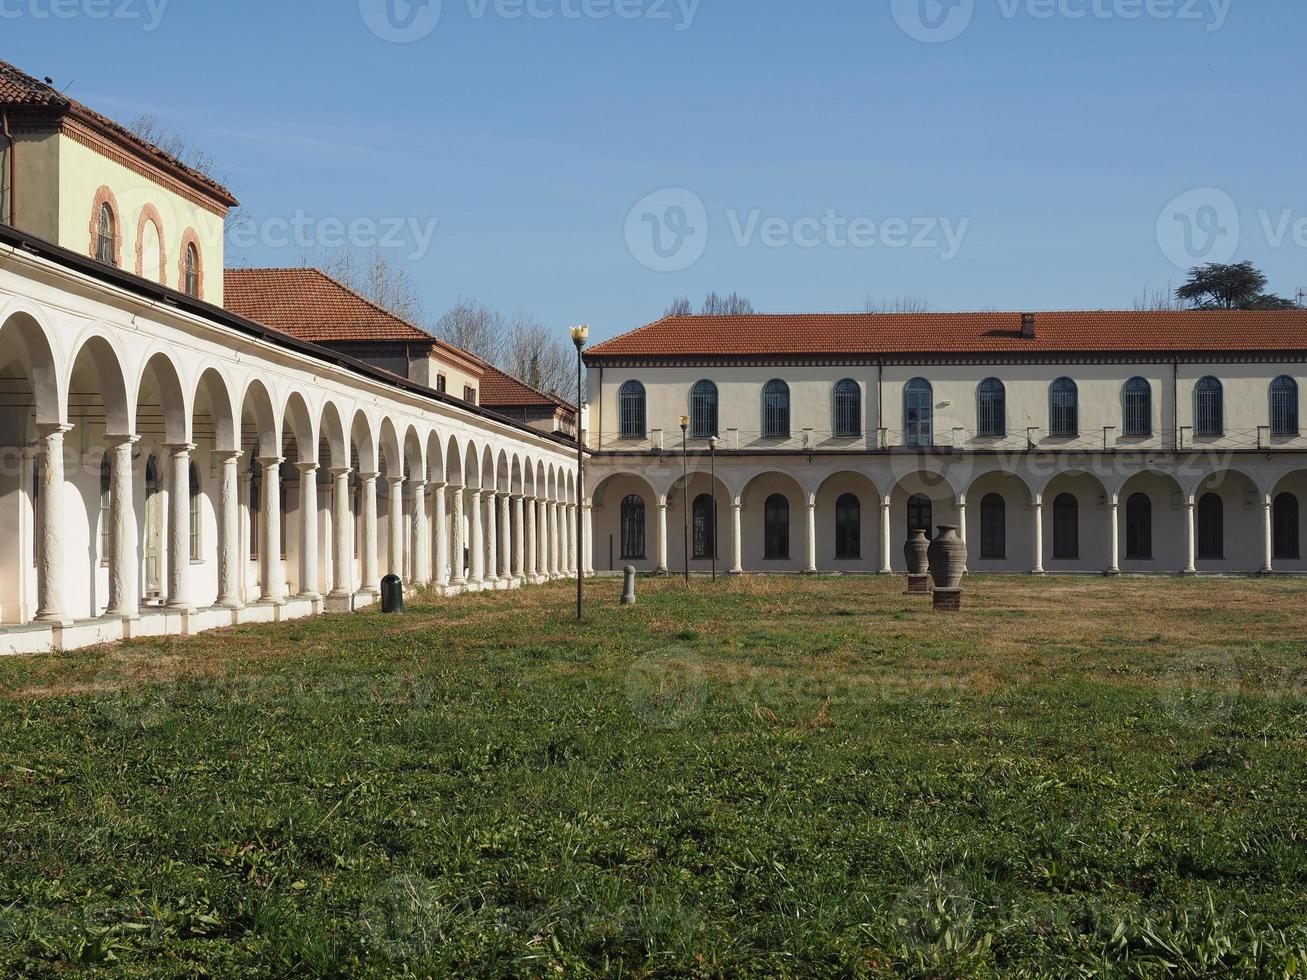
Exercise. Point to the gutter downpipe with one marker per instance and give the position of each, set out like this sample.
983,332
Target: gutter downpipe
13,170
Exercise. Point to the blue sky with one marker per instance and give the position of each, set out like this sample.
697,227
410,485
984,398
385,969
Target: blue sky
1026,163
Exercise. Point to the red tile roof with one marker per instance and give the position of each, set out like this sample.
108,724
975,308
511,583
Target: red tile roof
20,90
504,391
951,333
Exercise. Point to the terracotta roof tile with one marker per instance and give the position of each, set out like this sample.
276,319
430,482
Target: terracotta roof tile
19,89
981,333
503,390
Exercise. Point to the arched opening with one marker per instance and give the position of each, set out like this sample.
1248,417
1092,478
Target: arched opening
776,528
993,527
1137,409
991,409
1287,539
848,528
921,514
1066,527
776,410
703,532
631,411
848,409
1211,527
1000,532
703,410
163,424
1139,527
633,530
1154,525
1063,409
918,414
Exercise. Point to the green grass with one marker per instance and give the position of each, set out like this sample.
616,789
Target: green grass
765,777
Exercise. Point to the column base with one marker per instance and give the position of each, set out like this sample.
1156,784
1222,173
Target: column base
947,600
736,571
1189,573
1038,572
1112,573
809,571
918,585
184,608
53,619
1266,573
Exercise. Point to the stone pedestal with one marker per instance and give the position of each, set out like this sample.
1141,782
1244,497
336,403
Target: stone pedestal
947,600
918,585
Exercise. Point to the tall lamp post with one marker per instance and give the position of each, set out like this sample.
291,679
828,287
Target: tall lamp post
712,475
685,476
580,335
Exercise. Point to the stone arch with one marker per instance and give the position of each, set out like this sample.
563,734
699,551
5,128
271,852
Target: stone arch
363,444
1093,539
472,466
28,373
332,435
150,216
761,486
391,462
488,476
833,488
516,485
95,373
1243,531
1164,550
213,405
435,459
454,463
610,496
503,475
299,430
414,462
1016,535
162,404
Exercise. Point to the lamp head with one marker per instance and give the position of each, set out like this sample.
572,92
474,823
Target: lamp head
712,443
685,422
580,334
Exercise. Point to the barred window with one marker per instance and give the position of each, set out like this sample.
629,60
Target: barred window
703,410
776,528
1209,408
631,409
633,527
191,284
776,410
920,514
991,409
705,527
1063,409
194,513
1139,527
106,499
106,235
1284,406
1066,527
1286,527
918,414
993,526
1137,421
848,527
848,409
1211,527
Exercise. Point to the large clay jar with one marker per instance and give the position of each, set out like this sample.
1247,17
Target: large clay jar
948,558
917,552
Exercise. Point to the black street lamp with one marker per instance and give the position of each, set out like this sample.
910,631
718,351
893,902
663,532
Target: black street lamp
685,475
579,336
712,474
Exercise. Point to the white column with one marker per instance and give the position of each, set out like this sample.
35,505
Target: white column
29,527
556,539
368,558
179,528
490,529
962,526
812,536
440,518
505,533
457,544
124,564
476,548
421,537
542,545
588,537
1037,509
886,560
309,531
569,528
51,604
395,525
274,586
1190,544
519,539
532,538
1268,527
1114,513
229,530
342,529
662,535
737,536
246,544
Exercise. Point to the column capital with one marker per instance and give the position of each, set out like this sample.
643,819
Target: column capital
226,455
306,467
368,477
437,486
117,441
339,471
47,429
395,481
418,483
180,448
270,461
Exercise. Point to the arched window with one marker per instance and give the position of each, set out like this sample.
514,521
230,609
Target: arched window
920,514
195,513
106,235
106,497
993,526
1063,409
191,278
776,528
918,414
1066,527
632,527
1137,409
848,527
848,409
1139,527
776,410
1287,540
1284,406
703,410
630,409
1209,408
1211,527
991,409
704,527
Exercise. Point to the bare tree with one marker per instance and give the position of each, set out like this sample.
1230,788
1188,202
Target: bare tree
680,307
1158,301
151,130
906,303
538,356
373,275
475,328
732,305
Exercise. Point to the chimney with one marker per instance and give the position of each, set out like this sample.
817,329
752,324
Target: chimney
1028,325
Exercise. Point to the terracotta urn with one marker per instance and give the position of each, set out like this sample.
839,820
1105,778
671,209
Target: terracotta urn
948,558
916,551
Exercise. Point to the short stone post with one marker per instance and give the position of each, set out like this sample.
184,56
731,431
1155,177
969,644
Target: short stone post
628,589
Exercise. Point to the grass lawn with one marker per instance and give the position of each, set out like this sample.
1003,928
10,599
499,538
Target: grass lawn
763,777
